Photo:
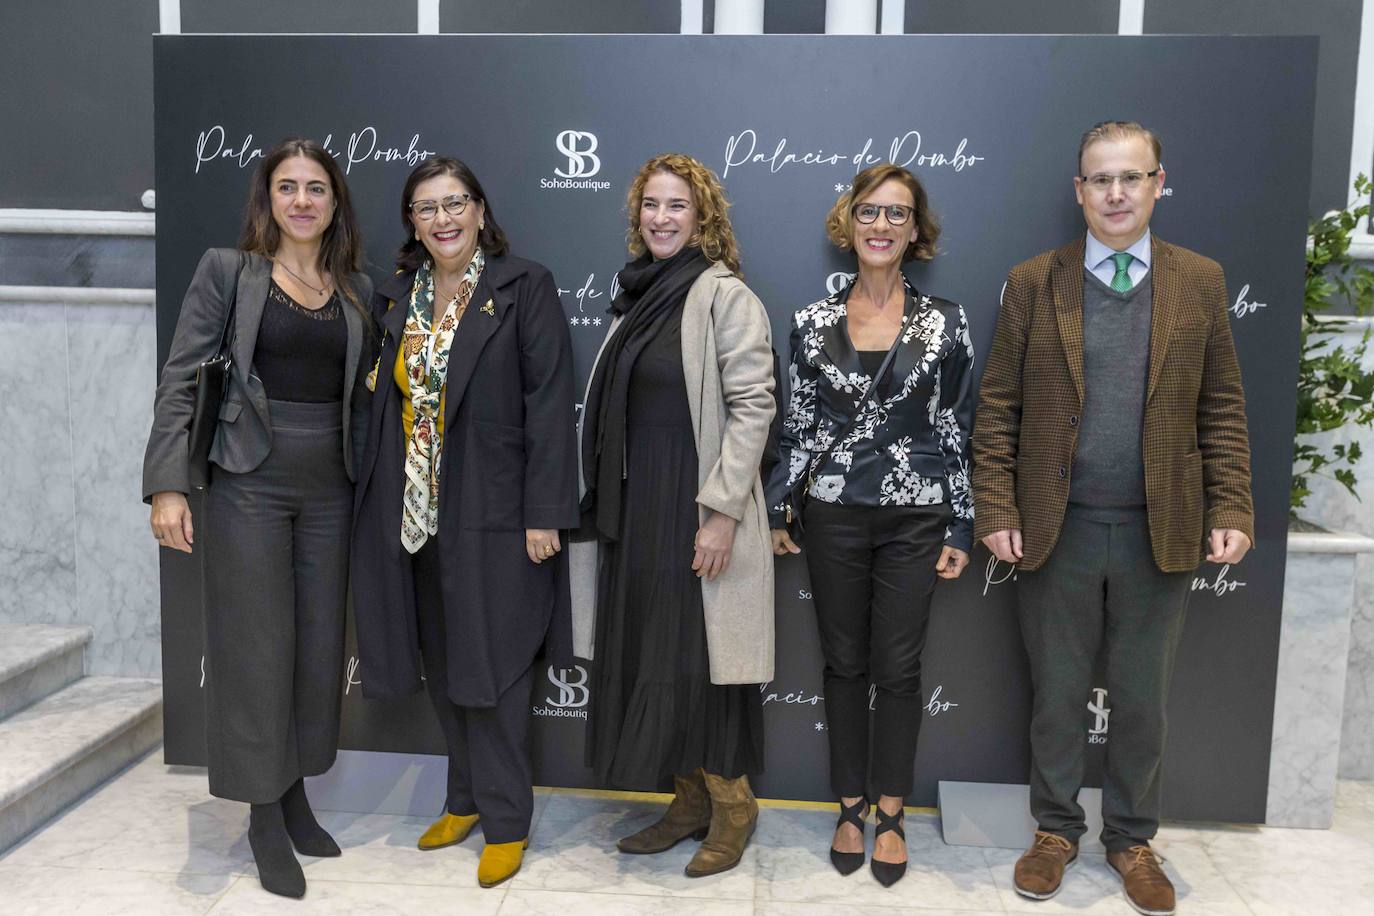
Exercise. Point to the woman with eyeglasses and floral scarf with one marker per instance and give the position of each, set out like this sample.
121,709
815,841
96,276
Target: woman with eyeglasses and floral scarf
468,477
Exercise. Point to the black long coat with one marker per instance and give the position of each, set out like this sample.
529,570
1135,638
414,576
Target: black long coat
509,463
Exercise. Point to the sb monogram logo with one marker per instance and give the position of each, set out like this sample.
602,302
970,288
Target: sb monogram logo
580,148
1098,707
573,692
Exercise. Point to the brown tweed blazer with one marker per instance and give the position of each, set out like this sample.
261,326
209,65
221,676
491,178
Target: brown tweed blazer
1196,447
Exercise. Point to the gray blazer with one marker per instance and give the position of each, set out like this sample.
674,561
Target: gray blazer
244,436
727,362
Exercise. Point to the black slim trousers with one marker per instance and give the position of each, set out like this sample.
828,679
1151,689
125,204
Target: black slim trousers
1100,590
489,767
872,577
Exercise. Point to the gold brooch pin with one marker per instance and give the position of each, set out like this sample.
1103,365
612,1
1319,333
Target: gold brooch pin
489,309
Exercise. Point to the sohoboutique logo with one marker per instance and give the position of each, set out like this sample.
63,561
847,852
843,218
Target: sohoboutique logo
1098,707
580,165
567,694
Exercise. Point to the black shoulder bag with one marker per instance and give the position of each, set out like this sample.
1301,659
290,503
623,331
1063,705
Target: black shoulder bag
212,380
795,502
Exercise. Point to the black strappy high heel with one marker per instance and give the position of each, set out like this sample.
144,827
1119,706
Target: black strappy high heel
846,863
888,873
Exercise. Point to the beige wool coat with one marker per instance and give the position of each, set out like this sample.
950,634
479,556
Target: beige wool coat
727,361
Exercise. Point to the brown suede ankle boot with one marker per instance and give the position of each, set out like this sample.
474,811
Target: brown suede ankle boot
734,814
689,815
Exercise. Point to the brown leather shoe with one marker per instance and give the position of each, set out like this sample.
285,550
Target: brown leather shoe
1146,886
688,815
1040,870
734,814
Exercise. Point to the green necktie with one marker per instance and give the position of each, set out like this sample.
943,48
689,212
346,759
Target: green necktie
1121,280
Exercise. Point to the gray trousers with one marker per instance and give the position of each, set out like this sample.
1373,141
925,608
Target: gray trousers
1100,589
276,569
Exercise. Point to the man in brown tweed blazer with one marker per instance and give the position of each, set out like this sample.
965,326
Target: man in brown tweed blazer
1110,457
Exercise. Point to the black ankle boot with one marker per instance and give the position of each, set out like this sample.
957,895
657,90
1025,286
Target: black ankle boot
310,838
278,871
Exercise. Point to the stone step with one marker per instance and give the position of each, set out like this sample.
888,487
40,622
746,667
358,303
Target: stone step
37,660
66,744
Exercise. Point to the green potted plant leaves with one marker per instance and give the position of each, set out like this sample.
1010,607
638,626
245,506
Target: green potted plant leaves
1334,388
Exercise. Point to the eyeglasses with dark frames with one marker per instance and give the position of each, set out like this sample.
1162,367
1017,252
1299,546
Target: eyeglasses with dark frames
897,214
453,205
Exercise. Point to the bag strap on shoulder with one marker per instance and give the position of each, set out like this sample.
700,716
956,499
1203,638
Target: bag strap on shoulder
818,460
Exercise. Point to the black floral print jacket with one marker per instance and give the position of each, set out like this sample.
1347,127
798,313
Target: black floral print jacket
910,445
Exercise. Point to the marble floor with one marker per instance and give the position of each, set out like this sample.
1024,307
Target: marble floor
152,841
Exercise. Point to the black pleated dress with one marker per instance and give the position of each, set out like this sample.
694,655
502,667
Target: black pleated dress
654,710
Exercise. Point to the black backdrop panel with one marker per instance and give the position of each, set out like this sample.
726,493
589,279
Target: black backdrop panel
555,127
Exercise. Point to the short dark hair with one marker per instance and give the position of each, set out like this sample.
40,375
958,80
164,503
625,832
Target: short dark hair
490,238
1118,130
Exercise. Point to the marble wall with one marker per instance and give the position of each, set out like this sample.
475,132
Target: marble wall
1314,644
76,382
1332,506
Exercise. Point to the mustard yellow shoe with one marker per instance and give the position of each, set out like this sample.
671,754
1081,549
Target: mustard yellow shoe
447,830
499,861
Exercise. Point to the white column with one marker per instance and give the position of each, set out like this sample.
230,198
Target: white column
427,17
739,17
169,17
894,17
1362,131
851,17
691,17
1131,18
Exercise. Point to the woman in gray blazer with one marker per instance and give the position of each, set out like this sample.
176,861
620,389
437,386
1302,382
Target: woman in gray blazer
278,507
673,426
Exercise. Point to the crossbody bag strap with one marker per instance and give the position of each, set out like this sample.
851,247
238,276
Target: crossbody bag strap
819,460
229,313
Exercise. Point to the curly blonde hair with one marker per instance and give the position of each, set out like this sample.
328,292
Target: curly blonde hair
839,222
714,234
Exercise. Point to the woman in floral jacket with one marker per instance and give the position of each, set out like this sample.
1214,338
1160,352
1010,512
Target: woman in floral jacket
885,480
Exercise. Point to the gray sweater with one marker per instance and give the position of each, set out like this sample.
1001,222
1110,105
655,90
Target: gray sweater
1108,470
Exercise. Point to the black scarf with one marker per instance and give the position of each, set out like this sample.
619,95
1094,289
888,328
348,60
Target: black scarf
650,294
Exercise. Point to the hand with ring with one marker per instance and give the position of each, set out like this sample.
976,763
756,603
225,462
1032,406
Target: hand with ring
541,544
952,562
170,520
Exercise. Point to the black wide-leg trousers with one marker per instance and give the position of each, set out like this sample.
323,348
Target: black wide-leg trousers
489,767
872,578
276,572
1100,586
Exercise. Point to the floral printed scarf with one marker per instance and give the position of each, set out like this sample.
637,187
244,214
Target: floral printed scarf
426,349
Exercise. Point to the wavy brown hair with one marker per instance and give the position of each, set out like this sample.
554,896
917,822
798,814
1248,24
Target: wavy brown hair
714,234
839,222
490,238
341,247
